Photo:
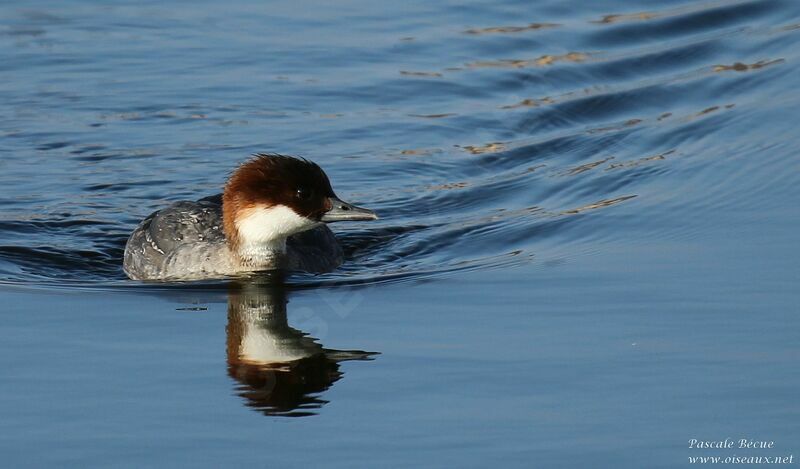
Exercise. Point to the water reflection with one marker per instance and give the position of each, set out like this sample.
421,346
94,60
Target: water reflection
280,370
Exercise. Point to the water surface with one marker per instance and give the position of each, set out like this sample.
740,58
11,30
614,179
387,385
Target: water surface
586,254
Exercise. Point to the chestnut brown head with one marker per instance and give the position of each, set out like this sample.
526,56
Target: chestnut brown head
273,196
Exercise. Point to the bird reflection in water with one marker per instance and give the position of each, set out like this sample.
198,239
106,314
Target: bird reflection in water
280,370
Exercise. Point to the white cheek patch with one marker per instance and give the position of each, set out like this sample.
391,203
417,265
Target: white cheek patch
270,225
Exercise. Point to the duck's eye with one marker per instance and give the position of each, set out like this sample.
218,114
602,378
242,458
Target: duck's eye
303,193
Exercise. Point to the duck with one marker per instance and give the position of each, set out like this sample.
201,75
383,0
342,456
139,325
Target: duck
273,214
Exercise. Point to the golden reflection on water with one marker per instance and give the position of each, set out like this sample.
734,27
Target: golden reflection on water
586,167
481,149
643,16
420,151
530,102
743,67
618,165
542,61
612,128
511,29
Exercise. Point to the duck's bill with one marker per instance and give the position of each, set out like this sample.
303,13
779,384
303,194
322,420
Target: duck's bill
342,211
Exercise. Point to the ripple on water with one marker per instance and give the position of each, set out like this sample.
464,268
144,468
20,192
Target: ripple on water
482,146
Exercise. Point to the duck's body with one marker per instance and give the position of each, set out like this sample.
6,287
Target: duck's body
186,241
271,216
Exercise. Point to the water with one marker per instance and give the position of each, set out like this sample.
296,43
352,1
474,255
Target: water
587,252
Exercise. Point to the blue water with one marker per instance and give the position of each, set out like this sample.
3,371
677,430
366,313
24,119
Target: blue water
587,252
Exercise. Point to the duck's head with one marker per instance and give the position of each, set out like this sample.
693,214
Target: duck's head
271,197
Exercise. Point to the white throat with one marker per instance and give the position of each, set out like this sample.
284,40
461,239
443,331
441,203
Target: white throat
263,231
